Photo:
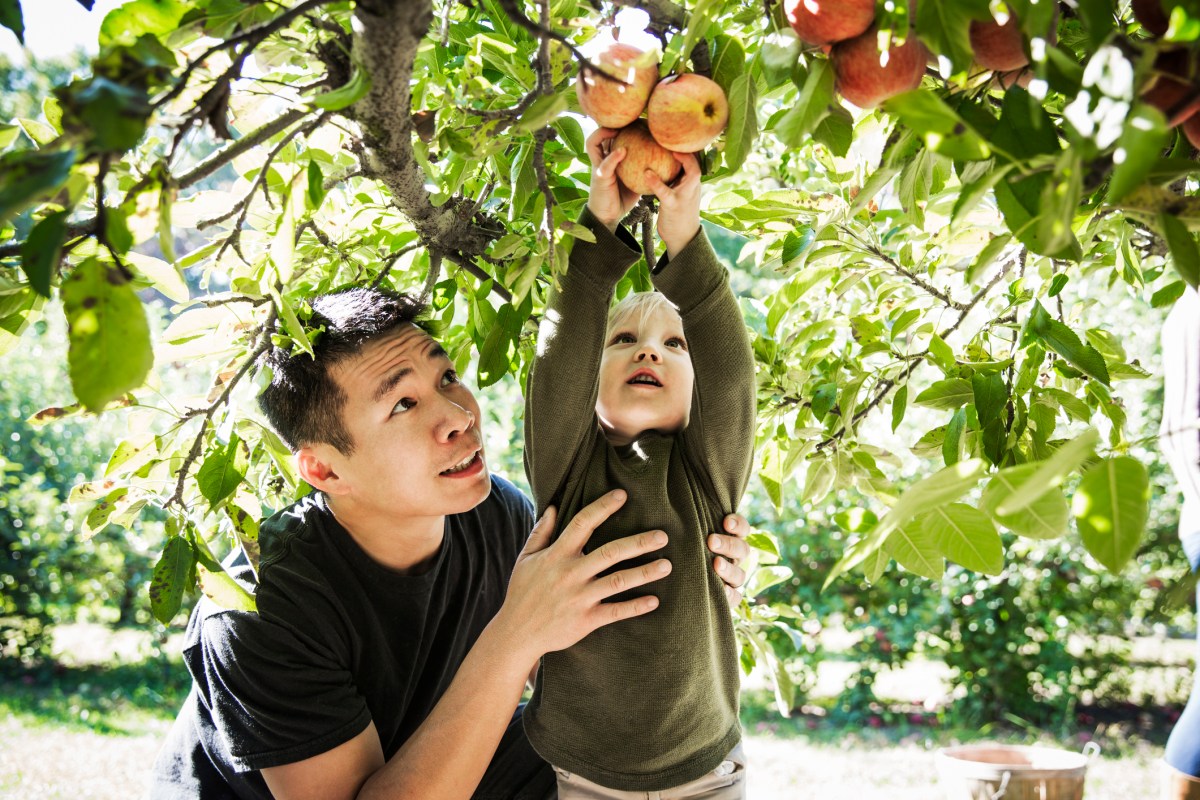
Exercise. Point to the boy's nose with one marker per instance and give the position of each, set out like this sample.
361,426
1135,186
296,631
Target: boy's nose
647,353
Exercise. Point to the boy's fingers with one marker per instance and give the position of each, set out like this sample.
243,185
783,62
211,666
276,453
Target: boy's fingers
660,189
608,166
594,144
589,518
691,166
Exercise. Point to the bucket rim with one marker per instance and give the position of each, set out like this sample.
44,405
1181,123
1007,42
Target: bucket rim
1065,760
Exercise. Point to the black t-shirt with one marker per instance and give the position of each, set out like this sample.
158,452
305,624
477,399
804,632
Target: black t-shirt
338,641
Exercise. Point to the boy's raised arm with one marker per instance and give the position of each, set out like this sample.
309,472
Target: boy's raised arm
720,433
560,408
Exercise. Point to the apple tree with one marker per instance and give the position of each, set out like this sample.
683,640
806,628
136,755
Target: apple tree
928,209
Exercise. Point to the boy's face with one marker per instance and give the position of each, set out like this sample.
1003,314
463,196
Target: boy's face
418,447
646,376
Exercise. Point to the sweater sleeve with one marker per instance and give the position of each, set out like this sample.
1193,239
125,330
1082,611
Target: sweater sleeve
560,398
719,438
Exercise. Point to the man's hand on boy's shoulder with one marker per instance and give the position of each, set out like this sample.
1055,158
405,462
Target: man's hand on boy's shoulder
731,550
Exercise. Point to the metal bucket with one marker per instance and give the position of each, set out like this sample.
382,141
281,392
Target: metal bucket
1012,772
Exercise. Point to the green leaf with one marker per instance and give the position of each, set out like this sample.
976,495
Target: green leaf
495,355
223,471
778,54
973,193
1111,506
1097,18
944,486
10,17
8,135
170,579
742,129
42,251
17,311
291,323
836,131
952,444
123,25
1167,295
899,406
1044,518
217,584
1064,341
39,133
110,351
541,112
729,61
944,28
111,115
1184,254
346,95
26,177
915,549
948,394
1050,473
1060,201
572,133
989,395
966,536
824,396
822,473
1142,141
316,186
812,106
943,129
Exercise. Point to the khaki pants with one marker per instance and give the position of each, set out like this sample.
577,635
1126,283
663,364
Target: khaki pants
726,782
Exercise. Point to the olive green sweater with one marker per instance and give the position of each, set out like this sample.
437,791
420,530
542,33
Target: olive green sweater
649,703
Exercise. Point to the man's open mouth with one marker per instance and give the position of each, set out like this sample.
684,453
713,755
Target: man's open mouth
467,463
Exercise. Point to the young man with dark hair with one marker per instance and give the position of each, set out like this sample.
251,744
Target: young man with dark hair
401,607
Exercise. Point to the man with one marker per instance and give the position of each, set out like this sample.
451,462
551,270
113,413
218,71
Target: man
400,608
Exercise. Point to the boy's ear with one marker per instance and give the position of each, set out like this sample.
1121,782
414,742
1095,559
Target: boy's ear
316,466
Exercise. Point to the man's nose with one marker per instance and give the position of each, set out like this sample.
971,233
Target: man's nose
457,420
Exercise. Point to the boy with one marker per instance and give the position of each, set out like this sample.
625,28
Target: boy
660,403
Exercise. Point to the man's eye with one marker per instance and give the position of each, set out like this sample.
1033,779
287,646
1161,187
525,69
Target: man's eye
405,404
450,377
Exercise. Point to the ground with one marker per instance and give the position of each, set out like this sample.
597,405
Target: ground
79,731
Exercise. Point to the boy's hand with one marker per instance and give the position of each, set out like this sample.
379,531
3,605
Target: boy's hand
679,206
608,200
731,549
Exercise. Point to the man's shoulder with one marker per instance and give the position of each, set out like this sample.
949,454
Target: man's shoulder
302,520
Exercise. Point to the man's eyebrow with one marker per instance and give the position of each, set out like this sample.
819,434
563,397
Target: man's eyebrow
389,382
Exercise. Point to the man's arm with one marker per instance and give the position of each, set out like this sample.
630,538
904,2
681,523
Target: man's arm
554,599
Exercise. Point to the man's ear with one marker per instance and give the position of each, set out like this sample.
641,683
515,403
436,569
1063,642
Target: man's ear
316,465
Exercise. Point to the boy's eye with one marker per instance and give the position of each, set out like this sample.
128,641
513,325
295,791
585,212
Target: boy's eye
449,377
405,404
624,338
675,341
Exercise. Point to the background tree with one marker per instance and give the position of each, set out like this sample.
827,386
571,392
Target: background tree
928,281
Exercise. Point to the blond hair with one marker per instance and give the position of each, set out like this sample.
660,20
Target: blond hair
637,304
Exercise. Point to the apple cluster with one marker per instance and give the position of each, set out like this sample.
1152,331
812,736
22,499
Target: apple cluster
684,113
1171,87
847,31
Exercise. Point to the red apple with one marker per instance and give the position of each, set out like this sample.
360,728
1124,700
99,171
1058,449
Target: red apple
1191,129
862,80
1170,86
610,103
1000,48
643,153
687,112
1150,13
828,21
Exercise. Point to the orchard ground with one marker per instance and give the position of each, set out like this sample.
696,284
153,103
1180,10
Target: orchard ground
89,726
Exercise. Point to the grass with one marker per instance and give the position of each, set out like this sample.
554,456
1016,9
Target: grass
91,724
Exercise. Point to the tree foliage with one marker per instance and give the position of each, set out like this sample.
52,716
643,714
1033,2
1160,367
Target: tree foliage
927,279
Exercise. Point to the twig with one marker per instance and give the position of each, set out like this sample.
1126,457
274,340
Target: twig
544,32
435,271
539,168
474,269
263,344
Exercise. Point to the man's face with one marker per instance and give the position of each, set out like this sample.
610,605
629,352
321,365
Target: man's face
418,450
646,376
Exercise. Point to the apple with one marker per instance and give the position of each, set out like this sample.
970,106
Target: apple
1191,129
610,103
687,112
1000,48
860,77
827,21
643,153
1170,87
1150,13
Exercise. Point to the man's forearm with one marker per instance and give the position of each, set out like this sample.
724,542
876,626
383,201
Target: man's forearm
447,756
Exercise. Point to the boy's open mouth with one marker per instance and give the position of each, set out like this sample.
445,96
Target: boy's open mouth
644,377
